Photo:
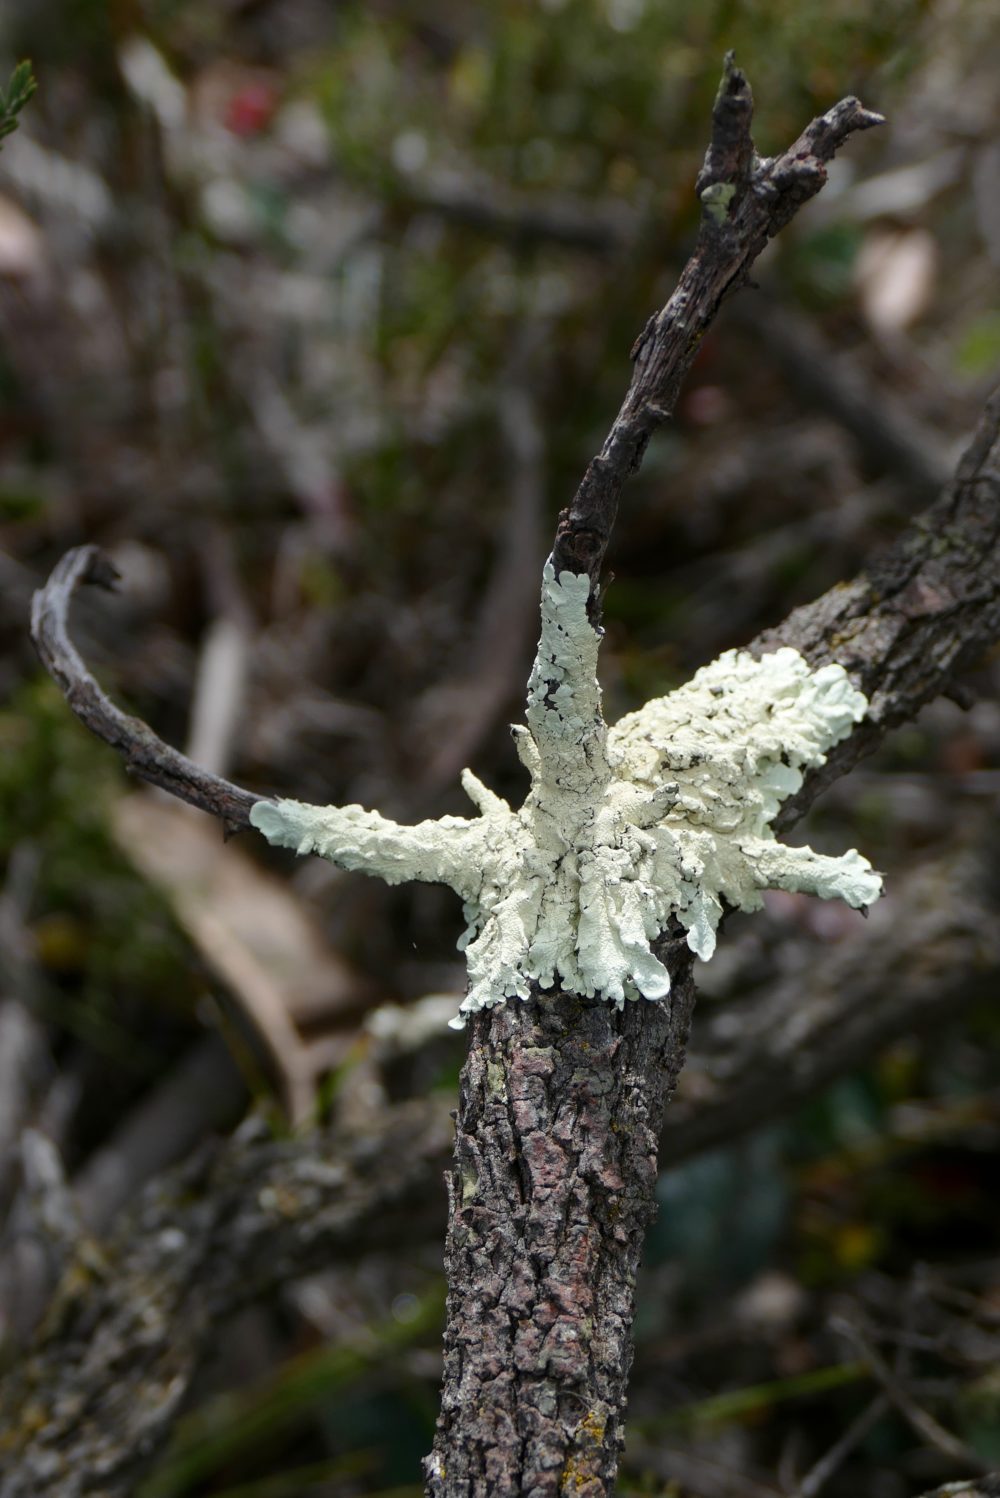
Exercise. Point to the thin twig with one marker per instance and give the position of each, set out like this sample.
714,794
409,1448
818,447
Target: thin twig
146,755
819,1475
922,1423
746,202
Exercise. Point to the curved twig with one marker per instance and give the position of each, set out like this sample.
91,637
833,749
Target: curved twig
146,755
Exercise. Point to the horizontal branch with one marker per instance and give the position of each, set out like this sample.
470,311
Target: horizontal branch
867,991
100,1390
925,610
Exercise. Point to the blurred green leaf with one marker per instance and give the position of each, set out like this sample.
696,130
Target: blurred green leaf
16,95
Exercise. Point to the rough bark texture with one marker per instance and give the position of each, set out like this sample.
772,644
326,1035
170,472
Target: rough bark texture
550,1196
868,992
561,1098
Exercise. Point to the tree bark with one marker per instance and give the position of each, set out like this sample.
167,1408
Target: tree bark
561,1098
549,1199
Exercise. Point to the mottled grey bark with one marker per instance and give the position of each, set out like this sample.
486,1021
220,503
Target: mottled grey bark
134,1316
550,1196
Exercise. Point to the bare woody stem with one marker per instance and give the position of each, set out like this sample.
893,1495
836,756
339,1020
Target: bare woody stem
145,754
746,201
553,1185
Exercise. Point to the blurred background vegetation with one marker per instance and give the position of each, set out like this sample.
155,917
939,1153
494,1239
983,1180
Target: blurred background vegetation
312,314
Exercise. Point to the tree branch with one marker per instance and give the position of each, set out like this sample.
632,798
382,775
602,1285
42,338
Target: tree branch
746,201
561,1098
145,754
104,1382
906,627
864,993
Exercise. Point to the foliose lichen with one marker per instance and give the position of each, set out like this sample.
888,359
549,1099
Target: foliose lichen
668,814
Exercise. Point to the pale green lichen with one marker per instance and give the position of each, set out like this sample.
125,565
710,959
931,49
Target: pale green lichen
667,815
716,198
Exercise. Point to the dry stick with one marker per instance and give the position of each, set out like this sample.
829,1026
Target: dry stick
820,1473
142,1242
746,202
561,1098
923,1423
86,1408
145,754
908,625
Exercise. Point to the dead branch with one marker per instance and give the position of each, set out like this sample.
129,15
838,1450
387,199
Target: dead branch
145,754
908,626
920,1420
746,202
561,1098
866,992
101,1389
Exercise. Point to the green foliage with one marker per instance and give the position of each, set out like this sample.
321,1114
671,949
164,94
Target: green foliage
978,349
16,95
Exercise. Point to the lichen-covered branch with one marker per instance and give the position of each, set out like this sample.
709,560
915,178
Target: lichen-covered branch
868,992
614,871
561,1098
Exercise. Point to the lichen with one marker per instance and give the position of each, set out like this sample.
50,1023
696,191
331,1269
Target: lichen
667,815
716,198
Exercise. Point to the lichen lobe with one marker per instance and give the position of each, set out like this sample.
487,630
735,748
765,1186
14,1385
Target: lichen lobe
667,815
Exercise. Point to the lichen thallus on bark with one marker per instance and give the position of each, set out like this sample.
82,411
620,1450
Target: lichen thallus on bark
598,890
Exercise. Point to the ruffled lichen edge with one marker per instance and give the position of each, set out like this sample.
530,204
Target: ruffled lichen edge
666,816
